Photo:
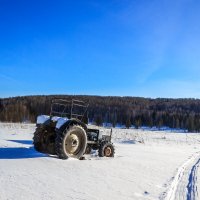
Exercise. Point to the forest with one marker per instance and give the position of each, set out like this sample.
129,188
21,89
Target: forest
128,111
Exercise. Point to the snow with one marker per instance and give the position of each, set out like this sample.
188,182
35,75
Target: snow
147,165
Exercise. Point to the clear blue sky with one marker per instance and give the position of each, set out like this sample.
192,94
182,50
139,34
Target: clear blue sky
148,48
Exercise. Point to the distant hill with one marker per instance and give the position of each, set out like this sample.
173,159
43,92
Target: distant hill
174,113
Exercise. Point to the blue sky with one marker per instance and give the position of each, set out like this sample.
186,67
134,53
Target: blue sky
100,47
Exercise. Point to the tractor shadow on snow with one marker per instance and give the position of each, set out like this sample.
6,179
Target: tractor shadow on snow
20,152
29,142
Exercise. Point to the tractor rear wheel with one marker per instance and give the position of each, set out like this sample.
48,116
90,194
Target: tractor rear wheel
38,140
71,143
106,149
44,141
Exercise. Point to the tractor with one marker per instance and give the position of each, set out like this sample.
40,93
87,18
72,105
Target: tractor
64,133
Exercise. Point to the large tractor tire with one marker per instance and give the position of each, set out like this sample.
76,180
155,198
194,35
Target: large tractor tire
106,149
71,143
44,141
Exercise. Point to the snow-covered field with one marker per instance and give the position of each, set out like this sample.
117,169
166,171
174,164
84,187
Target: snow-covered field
147,165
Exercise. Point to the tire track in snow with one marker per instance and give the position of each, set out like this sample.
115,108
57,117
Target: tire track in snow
183,186
192,184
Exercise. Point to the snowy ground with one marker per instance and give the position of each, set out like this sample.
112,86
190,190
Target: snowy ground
147,165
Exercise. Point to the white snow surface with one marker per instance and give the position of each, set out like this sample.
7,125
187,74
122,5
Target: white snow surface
147,165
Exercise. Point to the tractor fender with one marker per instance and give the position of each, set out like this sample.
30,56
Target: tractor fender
43,120
65,123
46,121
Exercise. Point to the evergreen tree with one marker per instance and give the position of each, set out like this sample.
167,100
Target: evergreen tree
128,122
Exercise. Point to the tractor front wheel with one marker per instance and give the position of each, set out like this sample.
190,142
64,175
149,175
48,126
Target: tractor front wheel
106,149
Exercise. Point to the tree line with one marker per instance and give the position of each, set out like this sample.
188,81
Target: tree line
128,111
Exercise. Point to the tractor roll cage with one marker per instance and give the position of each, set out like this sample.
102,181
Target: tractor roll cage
69,108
